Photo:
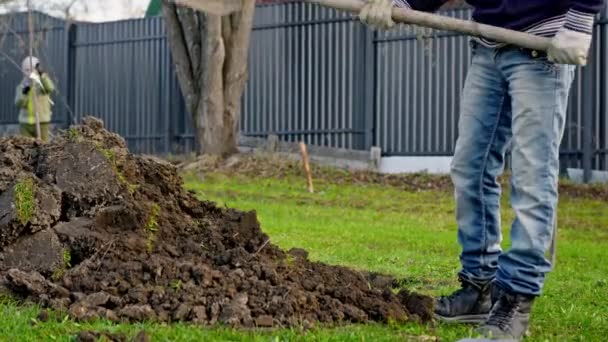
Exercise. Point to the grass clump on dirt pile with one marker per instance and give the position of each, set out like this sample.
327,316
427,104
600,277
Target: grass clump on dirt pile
112,159
67,258
73,135
25,202
59,272
152,226
137,254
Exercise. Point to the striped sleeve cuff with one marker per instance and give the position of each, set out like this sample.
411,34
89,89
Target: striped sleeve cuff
578,21
401,4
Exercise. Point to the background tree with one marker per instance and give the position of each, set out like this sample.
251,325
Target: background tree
210,53
154,8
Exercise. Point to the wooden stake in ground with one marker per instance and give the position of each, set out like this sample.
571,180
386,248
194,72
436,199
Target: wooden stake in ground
306,163
30,23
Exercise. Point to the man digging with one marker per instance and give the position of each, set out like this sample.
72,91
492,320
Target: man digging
37,87
514,98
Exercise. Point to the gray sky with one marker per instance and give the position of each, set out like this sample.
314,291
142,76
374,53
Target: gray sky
86,10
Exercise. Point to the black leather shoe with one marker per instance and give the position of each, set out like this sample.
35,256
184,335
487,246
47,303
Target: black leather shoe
509,318
470,304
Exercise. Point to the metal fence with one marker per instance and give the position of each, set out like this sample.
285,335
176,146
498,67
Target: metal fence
123,74
315,75
418,84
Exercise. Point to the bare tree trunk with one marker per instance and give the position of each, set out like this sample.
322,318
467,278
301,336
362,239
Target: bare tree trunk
210,55
213,98
236,72
181,59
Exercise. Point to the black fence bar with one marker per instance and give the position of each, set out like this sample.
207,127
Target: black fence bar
301,132
120,41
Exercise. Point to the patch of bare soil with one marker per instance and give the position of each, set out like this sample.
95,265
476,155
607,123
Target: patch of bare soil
89,229
590,191
274,166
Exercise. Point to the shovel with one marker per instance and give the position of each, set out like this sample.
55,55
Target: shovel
408,16
400,15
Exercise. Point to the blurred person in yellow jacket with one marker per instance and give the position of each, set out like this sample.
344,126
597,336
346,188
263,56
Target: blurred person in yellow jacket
35,86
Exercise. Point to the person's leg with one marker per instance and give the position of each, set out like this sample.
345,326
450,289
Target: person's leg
539,92
484,133
27,130
44,131
540,99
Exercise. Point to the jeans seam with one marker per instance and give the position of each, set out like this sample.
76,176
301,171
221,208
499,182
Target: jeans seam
483,172
553,220
553,113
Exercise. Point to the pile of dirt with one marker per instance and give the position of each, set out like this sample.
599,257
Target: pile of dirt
89,229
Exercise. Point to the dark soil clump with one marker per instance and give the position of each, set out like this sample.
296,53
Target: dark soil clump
89,229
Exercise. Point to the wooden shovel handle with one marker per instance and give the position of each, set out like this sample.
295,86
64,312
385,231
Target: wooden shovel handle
407,16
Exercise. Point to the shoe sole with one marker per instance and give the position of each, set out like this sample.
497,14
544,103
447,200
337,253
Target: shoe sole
465,319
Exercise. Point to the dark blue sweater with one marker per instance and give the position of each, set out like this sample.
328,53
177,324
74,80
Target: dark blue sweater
540,17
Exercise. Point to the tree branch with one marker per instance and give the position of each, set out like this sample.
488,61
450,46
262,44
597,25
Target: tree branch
235,75
192,36
179,51
213,88
227,32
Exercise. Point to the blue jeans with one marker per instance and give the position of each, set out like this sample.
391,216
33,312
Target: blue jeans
511,100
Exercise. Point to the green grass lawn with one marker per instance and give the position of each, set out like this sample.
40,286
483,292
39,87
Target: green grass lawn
411,235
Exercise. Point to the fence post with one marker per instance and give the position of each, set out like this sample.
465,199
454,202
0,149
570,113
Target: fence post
602,45
587,140
368,70
588,108
70,70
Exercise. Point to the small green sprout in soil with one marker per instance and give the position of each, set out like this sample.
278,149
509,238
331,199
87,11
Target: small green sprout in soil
176,285
73,135
111,157
67,258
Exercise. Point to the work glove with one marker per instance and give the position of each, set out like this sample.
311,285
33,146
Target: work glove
569,47
377,14
35,77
